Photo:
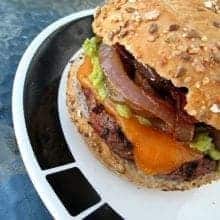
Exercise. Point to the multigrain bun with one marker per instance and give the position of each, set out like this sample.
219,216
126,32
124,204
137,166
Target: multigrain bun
179,39
78,113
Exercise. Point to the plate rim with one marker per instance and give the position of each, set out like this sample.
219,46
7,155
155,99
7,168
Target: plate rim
34,171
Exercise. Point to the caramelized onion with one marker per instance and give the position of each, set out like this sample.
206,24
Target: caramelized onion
144,99
135,97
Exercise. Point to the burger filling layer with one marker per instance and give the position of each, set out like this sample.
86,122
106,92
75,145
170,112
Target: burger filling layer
141,116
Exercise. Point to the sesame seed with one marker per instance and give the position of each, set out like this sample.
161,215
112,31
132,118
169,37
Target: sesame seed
170,39
79,113
215,108
216,24
212,5
125,24
123,33
136,17
176,53
117,7
129,9
193,50
198,85
152,15
97,12
174,27
208,4
152,38
153,28
185,56
180,71
205,81
163,61
204,39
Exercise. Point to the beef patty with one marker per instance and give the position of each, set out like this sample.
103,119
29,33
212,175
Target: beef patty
107,128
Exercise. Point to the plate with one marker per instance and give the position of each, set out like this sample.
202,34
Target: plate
68,178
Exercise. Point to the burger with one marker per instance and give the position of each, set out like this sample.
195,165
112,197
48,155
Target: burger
145,91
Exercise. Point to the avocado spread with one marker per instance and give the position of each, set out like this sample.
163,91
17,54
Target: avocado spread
204,143
124,111
97,77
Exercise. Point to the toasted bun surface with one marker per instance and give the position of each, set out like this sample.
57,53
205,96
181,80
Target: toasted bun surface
179,39
78,113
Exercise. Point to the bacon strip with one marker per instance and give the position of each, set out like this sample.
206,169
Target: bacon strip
136,97
144,101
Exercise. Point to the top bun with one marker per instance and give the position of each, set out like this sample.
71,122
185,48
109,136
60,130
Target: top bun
179,39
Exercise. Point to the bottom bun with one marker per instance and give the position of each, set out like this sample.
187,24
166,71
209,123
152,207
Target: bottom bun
78,112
